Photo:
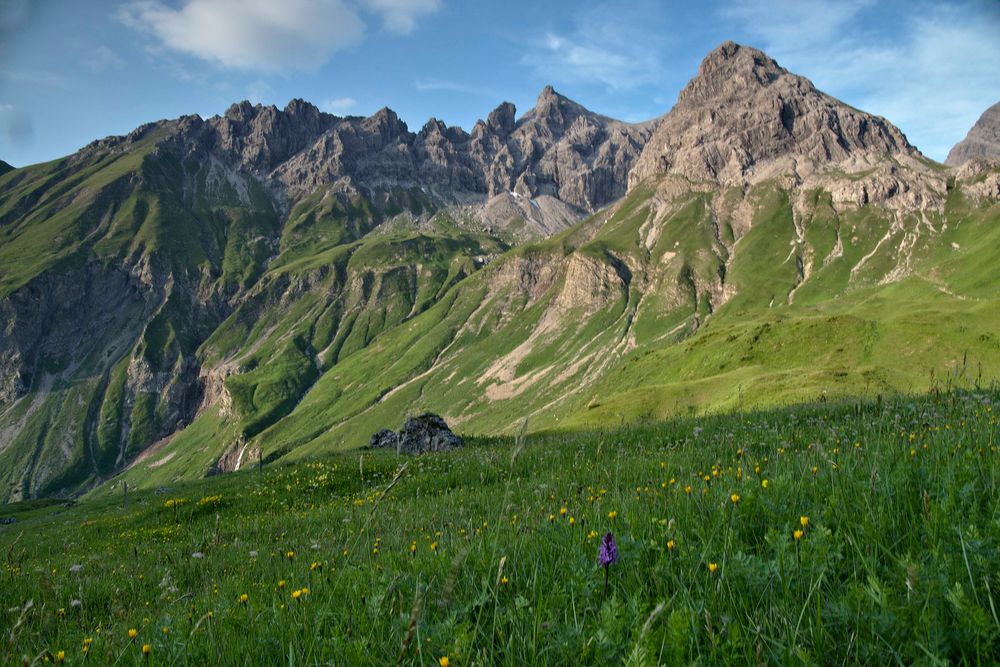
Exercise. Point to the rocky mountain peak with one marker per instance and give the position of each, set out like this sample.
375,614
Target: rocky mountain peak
241,111
744,118
386,123
732,66
983,139
553,114
501,120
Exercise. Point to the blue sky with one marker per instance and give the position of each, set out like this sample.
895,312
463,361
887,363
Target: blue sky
72,71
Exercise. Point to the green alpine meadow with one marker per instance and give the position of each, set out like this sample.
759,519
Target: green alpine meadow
864,530
306,385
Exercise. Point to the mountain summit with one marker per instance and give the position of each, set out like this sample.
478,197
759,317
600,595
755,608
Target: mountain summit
744,118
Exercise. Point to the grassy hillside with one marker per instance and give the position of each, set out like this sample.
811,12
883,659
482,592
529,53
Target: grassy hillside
842,532
127,277
665,305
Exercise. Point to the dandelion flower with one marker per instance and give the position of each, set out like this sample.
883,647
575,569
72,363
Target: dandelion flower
712,567
797,534
434,547
563,511
687,489
146,649
443,661
504,580
60,656
735,498
612,515
133,633
572,521
244,598
804,521
670,545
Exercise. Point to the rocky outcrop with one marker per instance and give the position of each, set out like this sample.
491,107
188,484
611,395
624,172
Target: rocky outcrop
982,141
744,118
980,177
424,433
558,149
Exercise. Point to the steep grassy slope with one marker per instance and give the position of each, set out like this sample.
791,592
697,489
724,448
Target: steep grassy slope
137,284
678,299
836,533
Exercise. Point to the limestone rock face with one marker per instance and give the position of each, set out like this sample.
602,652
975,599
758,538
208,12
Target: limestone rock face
744,118
557,149
983,139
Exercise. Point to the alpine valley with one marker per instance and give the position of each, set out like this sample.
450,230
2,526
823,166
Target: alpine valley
273,284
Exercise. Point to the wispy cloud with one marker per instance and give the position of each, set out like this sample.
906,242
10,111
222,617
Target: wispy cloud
339,106
259,91
34,77
259,35
401,16
101,59
932,75
607,45
434,85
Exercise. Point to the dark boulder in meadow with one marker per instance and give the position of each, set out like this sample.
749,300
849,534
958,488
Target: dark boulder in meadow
424,433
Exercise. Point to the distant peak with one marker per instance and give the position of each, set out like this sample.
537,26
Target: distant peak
501,119
548,96
387,122
730,55
240,110
299,105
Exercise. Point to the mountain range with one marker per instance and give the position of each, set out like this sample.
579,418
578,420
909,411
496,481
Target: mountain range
276,284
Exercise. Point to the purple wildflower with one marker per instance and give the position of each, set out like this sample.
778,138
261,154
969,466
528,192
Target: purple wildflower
608,553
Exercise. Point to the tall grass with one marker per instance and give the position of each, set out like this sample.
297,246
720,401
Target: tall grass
488,555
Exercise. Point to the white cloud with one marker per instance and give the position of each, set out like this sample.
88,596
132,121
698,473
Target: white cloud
608,45
339,106
102,58
435,85
260,35
933,75
258,92
401,15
